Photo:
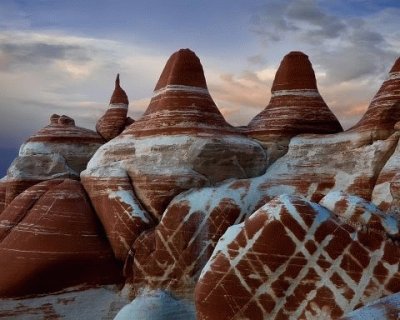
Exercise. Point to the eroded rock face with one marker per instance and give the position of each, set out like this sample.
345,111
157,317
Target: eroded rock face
294,258
314,166
182,141
113,122
384,110
361,214
59,150
194,221
50,238
295,107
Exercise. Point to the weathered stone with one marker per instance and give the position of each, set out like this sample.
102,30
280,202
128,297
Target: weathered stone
295,259
59,150
384,110
182,141
113,122
50,239
295,107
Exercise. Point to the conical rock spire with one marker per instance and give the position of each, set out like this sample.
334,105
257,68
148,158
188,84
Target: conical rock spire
114,121
295,107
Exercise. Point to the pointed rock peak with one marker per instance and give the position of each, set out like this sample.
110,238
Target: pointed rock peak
396,66
182,68
295,72
119,95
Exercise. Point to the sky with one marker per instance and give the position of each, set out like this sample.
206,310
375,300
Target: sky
62,56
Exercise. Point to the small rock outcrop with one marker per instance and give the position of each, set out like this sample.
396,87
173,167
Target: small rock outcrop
114,121
181,142
295,107
59,150
50,239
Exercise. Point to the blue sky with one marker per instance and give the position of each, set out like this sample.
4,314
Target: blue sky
62,56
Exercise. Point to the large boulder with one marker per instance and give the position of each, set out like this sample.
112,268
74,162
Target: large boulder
59,150
295,259
295,107
50,239
182,141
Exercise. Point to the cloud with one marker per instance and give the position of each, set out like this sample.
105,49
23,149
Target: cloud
42,73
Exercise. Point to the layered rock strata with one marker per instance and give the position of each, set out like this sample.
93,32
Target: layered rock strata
295,259
114,121
384,110
50,238
295,107
182,141
193,222
59,150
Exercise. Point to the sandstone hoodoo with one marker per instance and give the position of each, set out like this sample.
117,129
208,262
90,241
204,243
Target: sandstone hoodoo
182,141
59,150
295,107
114,121
50,239
384,110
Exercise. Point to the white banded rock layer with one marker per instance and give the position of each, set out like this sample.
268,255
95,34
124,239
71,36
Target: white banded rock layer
295,259
384,110
59,150
182,141
194,221
295,107
362,214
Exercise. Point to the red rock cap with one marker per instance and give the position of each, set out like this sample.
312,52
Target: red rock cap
62,129
295,72
182,68
119,95
181,101
396,66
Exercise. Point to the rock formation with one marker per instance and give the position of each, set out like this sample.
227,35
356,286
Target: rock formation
50,238
295,259
287,218
199,217
295,107
182,141
59,150
113,122
384,110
